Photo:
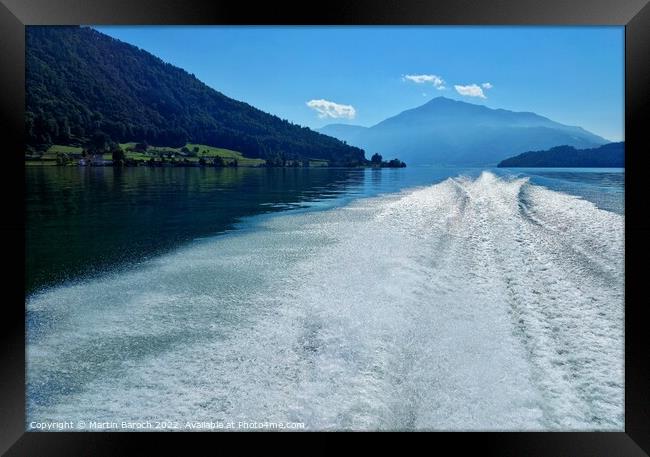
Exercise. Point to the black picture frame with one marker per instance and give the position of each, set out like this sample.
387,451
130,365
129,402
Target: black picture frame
633,14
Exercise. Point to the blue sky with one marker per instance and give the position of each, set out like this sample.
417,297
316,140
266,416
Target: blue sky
315,76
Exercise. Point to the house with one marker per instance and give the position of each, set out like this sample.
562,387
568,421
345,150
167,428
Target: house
97,160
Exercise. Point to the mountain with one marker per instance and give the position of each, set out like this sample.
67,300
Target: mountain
446,131
80,81
608,155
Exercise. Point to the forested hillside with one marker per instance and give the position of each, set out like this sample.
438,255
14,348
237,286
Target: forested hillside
81,82
606,156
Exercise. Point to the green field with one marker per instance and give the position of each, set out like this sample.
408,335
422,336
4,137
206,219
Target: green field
318,163
153,152
204,151
158,153
226,154
50,154
56,148
40,163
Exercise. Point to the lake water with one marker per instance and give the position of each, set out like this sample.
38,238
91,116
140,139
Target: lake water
417,298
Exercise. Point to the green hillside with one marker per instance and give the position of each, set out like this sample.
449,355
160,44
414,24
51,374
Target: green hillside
83,85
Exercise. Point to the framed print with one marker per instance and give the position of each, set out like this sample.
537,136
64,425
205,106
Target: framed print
418,217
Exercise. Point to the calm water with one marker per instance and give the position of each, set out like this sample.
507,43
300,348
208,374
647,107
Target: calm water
418,298
81,221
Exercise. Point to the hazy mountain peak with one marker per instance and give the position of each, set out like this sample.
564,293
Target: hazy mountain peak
449,131
440,104
440,99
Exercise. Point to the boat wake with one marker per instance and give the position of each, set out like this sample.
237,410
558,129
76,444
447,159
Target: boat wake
485,304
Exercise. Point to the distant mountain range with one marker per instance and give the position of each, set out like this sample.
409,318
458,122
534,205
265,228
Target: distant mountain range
446,131
80,82
608,155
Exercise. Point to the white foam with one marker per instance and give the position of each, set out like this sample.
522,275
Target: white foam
485,304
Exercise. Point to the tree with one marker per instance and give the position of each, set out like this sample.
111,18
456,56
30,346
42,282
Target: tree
62,158
119,158
395,163
99,142
376,159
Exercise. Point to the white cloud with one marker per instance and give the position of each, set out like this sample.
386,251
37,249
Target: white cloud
471,90
326,108
436,80
487,85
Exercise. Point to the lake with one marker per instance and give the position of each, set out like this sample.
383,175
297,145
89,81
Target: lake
81,221
417,298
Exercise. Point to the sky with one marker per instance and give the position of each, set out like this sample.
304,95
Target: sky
315,76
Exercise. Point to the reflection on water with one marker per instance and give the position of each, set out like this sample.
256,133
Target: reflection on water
81,221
